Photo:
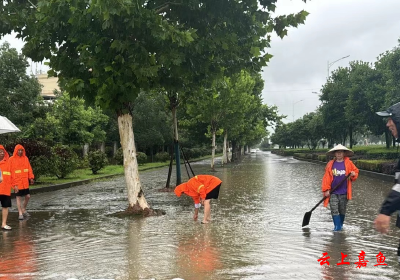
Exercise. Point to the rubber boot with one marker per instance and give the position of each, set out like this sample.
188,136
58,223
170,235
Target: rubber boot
337,222
342,219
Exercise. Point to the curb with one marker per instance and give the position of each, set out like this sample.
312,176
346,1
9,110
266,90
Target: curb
376,175
67,185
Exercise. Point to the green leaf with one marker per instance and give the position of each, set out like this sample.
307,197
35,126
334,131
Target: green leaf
255,51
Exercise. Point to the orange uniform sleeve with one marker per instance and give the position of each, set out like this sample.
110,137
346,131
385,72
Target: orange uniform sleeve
355,169
327,178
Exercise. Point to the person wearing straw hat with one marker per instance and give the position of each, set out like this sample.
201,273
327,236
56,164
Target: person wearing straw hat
335,171
391,203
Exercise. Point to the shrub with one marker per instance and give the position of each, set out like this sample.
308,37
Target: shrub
41,165
119,157
82,163
78,149
192,153
97,160
109,151
162,156
370,165
141,157
389,167
322,158
65,161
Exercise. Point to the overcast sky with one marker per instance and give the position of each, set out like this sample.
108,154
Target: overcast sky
362,29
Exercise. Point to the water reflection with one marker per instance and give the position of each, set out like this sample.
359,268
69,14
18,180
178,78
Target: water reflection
335,247
198,255
18,256
255,233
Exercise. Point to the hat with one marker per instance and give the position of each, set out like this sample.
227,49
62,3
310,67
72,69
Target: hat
392,110
347,152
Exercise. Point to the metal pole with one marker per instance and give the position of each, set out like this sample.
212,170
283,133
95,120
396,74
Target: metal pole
293,112
330,64
328,69
293,107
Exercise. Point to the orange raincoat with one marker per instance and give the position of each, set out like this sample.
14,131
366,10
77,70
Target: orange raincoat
5,186
21,169
198,187
328,177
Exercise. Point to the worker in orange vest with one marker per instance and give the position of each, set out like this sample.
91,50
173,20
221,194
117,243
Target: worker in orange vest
201,188
22,177
5,187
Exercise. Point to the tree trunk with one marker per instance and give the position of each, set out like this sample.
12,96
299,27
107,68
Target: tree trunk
213,150
351,137
235,153
136,197
114,148
225,150
103,147
177,152
387,139
85,149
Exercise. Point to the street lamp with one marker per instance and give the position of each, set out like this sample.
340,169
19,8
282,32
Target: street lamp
293,106
331,63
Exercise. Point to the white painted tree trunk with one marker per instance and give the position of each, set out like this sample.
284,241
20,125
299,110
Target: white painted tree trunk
175,121
85,149
131,169
225,151
213,150
114,148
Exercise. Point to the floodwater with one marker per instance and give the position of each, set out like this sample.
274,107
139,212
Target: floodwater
255,233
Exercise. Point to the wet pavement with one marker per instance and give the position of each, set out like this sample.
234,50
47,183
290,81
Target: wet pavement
255,233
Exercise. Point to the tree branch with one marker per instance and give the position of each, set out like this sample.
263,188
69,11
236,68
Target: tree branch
162,8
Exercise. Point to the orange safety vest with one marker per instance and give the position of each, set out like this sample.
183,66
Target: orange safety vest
328,177
198,187
21,169
5,186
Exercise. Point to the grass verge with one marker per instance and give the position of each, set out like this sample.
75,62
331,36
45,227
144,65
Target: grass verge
86,173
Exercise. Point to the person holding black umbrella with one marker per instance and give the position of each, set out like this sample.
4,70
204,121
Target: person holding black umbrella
337,169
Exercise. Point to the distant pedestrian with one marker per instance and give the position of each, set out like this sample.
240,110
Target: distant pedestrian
22,177
392,202
201,189
335,171
5,187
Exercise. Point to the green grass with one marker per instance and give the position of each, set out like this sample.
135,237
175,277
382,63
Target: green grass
86,173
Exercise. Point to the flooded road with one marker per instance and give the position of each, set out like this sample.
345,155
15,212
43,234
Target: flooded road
255,233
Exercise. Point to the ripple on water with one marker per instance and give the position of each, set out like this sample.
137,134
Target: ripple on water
255,233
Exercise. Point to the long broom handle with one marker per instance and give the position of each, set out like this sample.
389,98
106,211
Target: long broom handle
334,188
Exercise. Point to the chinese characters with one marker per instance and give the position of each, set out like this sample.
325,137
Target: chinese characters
362,262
